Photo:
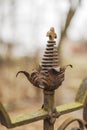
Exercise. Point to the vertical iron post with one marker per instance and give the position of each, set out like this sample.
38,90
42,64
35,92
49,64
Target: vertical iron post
48,106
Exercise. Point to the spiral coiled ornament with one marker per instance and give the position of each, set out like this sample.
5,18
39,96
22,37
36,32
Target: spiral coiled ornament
50,58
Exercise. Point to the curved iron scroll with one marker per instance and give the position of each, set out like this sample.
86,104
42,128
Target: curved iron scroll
69,121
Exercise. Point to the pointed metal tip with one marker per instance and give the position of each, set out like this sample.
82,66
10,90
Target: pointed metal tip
19,73
68,66
23,72
71,66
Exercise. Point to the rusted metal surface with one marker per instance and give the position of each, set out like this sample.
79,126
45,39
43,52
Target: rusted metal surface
48,123
69,121
50,75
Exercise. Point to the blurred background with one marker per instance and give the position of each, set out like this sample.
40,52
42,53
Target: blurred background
23,28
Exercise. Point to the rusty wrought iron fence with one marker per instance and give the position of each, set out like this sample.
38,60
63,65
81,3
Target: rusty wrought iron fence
49,77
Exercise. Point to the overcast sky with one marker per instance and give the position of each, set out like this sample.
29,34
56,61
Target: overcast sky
26,22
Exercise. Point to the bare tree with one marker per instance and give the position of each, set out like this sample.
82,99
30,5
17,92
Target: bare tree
70,15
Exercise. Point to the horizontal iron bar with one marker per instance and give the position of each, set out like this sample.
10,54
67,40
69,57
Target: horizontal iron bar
29,118
66,108
11,122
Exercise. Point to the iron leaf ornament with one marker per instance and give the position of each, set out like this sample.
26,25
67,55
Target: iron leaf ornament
50,75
